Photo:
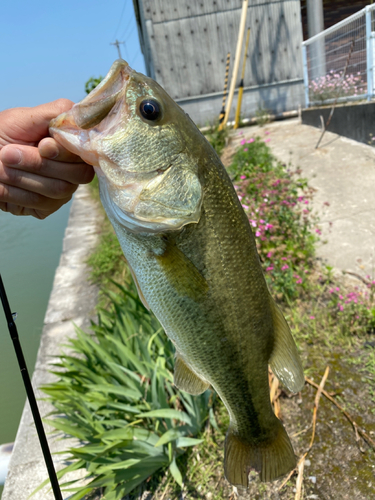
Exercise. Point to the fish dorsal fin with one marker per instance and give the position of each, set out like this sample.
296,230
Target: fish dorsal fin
186,380
285,361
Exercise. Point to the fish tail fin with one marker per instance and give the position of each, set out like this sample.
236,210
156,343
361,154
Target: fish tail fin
271,458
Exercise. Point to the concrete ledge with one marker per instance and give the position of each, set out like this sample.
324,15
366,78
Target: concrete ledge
355,121
73,300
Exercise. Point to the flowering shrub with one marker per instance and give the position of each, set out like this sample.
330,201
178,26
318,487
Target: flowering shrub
277,203
355,309
332,86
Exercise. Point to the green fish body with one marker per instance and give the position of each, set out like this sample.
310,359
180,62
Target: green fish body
193,257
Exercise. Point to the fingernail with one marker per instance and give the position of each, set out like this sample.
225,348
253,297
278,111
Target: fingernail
48,149
11,156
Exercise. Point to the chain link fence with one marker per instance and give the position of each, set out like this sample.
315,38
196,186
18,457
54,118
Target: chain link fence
339,62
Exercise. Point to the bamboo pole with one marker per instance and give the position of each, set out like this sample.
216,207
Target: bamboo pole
236,62
225,91
240,90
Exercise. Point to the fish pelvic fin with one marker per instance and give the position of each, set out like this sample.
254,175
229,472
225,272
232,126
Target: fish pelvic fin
271,459
186,380
285,361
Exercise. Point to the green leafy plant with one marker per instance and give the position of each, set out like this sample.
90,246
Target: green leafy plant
217,137
116,394
92,83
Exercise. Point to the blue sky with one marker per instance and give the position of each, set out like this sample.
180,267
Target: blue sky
50,49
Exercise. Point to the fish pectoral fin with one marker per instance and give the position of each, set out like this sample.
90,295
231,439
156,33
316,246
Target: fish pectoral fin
182,273
272,458
186,380
285,361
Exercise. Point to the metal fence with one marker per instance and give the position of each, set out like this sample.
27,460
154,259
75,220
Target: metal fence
339,62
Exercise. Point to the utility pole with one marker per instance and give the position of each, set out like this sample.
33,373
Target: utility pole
315,24
117,43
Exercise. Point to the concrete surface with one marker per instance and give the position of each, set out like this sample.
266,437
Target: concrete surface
343,173
72,301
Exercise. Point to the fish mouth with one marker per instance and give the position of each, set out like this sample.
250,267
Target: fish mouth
72,128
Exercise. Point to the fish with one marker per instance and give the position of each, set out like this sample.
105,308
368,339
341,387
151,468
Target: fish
193,257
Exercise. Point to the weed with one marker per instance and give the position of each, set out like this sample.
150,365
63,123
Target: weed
217,137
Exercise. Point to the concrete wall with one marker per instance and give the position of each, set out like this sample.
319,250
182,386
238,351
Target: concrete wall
275,98
72,300
355,121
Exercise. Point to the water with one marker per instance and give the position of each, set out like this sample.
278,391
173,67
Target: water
29,254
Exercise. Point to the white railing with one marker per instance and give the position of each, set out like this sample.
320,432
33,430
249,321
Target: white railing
338,63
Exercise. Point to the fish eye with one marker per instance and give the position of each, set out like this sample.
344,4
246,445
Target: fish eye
150,109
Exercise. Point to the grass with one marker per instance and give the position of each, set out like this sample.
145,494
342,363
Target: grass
111,379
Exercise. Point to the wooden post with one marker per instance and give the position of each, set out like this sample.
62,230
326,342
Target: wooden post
240,90
236,62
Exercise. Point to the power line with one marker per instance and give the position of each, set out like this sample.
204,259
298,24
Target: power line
122,13
127,27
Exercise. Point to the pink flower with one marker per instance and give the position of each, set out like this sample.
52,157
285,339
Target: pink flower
250,140
243,177
266,132
267,140
245,207
299,281
270,268
269,255
243,142
311,317
257,234
245,149
318,231
306,202
285,267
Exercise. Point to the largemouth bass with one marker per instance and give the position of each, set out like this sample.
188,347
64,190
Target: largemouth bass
193,257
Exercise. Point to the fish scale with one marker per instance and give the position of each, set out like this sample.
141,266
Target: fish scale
193,257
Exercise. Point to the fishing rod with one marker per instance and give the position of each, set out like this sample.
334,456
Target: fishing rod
240,90
30,392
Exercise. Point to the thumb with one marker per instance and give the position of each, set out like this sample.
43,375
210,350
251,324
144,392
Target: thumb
30,125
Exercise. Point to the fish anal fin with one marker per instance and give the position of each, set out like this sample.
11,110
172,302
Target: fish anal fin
186,380
182,273
271,459
140,293
285,361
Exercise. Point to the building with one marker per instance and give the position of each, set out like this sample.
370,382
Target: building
185,44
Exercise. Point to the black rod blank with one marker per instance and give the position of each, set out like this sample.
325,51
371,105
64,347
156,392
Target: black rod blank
30,393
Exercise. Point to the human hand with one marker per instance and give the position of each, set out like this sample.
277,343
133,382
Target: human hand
37,175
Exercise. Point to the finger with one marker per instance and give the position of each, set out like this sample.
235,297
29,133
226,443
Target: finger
45,186
20,202
28,159
52,150
29,125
